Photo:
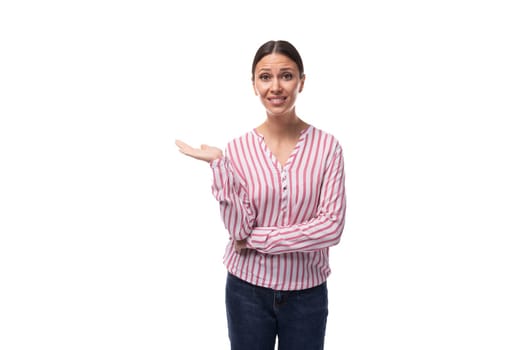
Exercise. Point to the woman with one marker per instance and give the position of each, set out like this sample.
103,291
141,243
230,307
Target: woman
281,192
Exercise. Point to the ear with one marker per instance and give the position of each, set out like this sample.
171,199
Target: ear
255,89
301,86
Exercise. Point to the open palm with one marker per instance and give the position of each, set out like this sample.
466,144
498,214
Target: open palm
205,152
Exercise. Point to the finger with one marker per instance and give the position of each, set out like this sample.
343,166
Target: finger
181,144
185,148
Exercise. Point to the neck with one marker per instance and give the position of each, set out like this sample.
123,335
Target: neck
282,127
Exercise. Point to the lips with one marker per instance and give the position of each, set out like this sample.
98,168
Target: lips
277,101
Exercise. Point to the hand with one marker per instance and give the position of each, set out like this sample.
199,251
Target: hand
239,245
205,153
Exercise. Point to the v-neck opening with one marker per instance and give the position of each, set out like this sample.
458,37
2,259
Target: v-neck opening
291,156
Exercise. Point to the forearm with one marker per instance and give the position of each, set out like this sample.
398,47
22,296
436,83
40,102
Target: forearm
235,209
321,232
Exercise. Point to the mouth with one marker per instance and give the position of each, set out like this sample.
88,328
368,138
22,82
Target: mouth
277,101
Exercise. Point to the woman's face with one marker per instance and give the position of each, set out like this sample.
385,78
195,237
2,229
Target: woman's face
277,83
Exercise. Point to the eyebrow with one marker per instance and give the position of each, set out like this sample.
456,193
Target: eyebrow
281,70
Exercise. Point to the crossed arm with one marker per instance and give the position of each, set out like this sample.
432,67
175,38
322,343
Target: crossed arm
322,231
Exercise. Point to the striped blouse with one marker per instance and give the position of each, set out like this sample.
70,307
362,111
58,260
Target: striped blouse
289,215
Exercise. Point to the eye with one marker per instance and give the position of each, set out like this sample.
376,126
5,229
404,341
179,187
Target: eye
265,76
287,76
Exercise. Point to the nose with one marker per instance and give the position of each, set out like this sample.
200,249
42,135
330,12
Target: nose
276,85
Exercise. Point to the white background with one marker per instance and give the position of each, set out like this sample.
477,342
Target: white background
111,239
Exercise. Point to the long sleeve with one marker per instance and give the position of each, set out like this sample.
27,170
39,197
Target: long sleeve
289,214
235,209
322,231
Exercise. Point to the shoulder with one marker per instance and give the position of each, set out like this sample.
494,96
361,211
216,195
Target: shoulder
324,137
238,143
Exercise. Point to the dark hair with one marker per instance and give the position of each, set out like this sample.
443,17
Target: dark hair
281,47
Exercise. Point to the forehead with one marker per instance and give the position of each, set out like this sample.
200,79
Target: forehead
275,61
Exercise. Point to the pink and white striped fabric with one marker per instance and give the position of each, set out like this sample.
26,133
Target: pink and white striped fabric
290,215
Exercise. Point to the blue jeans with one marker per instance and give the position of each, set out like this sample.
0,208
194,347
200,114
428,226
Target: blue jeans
257,315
